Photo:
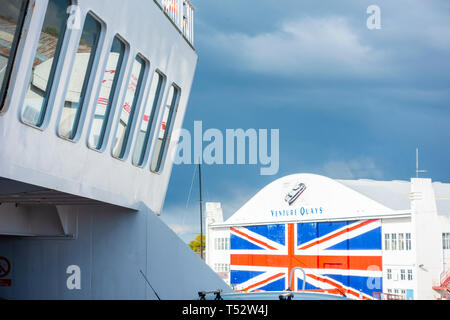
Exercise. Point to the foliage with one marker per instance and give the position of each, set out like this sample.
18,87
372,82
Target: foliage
195,244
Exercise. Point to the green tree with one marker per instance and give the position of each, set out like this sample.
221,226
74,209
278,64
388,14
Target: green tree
195,244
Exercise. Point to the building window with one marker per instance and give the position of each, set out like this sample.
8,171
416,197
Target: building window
163,138
446,241
147,120
11,22
128,109
45,62
394,241
79,79
221,244
401,241
107,93
402,274
410,275
389,274
408,241
387,241
221,267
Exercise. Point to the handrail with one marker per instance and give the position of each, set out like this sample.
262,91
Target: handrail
181,12
290,278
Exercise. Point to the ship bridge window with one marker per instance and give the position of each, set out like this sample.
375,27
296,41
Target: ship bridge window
163,138
12,13
79,79
148,119
45,62
107,93
129,108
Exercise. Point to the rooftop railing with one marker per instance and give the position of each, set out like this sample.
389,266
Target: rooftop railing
181,12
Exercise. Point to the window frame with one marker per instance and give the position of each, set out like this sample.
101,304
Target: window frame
408,241
113,97
445,240
389,274
4,88
394,241
88,81
55,75
172,116
387,242
410,275
154,115
401,241
135,107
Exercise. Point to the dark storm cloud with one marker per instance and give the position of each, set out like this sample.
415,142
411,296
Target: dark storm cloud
349,102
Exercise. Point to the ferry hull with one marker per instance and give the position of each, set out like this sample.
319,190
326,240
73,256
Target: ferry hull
106,257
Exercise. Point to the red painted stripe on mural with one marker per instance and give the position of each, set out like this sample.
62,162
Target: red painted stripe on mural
311,262
264,281
362,224
253,239
338,286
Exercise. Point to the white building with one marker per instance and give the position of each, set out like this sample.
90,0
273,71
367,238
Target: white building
364,238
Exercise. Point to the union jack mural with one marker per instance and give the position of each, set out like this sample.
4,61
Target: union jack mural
338,257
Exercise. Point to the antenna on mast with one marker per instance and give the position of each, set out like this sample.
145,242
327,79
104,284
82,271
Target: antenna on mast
417,164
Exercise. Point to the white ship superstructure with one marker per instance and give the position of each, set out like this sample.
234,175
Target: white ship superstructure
92,93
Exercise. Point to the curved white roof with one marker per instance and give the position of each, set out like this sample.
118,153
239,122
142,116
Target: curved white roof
322,198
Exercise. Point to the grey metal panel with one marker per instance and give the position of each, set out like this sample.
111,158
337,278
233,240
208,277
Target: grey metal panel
112,245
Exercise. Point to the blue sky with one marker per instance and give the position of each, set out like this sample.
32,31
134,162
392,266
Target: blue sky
349,102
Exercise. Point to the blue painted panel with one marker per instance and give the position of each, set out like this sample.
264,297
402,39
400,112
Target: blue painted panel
308,286
238,276
367,241
327,227
278,285
274,232
237,243
306,232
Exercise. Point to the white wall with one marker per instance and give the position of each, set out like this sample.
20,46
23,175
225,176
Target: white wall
427,239
397,260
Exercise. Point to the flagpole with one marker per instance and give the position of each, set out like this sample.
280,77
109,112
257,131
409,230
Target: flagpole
201,209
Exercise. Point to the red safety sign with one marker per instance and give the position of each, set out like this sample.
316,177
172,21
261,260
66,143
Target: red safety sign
5,269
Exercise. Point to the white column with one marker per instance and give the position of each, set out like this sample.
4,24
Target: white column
427,238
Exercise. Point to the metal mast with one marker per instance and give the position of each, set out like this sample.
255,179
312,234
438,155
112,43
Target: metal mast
201,209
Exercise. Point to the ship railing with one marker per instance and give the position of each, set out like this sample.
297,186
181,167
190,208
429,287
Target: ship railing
181,12
388,296
445,275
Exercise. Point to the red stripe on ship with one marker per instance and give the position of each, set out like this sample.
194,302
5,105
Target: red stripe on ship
103,101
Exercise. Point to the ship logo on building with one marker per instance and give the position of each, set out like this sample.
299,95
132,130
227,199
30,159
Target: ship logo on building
295,193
